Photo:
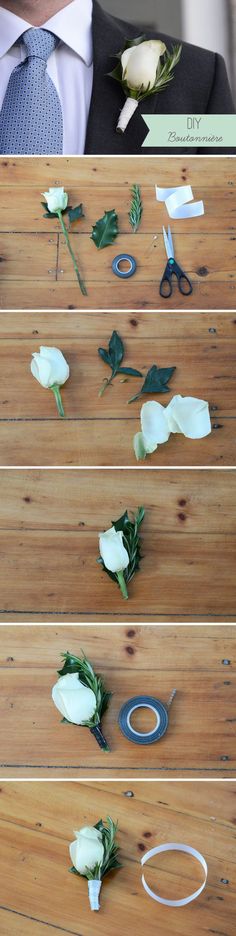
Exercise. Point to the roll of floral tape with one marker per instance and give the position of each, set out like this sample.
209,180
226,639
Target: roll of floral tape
173,846
124,274
143,737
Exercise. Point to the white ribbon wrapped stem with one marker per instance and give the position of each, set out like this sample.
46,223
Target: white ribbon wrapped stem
94,887
173,846
177,202
127,112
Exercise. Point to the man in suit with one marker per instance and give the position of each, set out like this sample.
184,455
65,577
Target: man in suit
58,99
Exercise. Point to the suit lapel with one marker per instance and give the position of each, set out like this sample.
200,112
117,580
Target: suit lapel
107,95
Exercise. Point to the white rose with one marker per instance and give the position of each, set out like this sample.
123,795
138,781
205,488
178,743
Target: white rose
87,850
56,198
112,550
49,367
140,63
77,703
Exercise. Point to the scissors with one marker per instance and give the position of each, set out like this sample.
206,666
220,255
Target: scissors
172,268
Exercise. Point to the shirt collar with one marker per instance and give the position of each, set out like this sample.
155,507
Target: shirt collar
72,25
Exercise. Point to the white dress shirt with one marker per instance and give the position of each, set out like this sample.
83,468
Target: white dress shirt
70,66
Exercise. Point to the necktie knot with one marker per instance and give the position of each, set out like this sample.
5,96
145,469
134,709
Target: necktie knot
39,42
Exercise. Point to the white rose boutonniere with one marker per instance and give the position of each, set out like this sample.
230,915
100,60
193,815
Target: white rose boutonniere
94,853
81,696
145,67
120,551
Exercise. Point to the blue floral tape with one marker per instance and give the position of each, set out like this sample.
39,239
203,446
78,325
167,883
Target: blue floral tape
146,737
124,274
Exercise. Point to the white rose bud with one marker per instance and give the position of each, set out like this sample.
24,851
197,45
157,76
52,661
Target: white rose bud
87,850
56,198
49,367
77,703
140,63
112,550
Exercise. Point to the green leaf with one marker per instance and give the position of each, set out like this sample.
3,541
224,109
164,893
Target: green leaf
105,230
130,371
76,213
54,214
136,208
156,381
116,349
113,356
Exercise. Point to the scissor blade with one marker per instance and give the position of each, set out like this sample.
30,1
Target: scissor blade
171,245
167,245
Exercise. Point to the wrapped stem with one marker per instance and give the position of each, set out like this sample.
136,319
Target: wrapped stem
98,734
94,887
127,112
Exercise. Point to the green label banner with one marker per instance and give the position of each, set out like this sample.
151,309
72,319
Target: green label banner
190,130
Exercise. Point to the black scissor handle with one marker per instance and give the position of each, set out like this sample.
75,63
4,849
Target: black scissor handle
185,286
166,284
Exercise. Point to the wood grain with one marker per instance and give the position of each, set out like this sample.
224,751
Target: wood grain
99,431
198,661
38,895
36,270
49,525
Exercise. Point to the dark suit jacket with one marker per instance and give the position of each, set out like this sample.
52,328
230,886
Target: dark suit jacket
200,86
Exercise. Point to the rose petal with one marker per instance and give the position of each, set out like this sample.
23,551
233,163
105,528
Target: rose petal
189,416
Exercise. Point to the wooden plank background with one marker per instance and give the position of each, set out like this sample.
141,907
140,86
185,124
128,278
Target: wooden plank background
36,269
198,661
49,525
202,346
38,894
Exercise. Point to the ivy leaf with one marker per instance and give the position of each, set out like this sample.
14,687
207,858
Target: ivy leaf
75,213
156,381
113,356
105,230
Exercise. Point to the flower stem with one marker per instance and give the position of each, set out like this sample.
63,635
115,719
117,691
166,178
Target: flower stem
66,235
57,394
98,734
106,383
122,584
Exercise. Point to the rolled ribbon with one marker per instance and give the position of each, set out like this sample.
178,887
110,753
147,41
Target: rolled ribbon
177,202
173,846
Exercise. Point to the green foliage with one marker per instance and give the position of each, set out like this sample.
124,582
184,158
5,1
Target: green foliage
136,208
156,381
89,678
105,230
131,540
113,356
75,214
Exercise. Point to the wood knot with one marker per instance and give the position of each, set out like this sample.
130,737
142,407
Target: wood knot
130,650
202,271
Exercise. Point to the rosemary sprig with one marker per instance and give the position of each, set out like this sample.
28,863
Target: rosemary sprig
136,208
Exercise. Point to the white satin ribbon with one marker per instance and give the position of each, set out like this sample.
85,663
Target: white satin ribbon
177,202
173,846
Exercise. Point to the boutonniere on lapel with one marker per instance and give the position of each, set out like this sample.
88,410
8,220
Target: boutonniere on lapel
145,67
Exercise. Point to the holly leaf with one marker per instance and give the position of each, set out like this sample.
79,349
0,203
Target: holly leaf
156,381
105,230
75,213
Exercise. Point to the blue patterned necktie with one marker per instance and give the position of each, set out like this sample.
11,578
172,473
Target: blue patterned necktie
31,117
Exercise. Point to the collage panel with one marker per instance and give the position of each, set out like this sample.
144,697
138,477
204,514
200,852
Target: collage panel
171,356
98,546
149,705
115,212
38,823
